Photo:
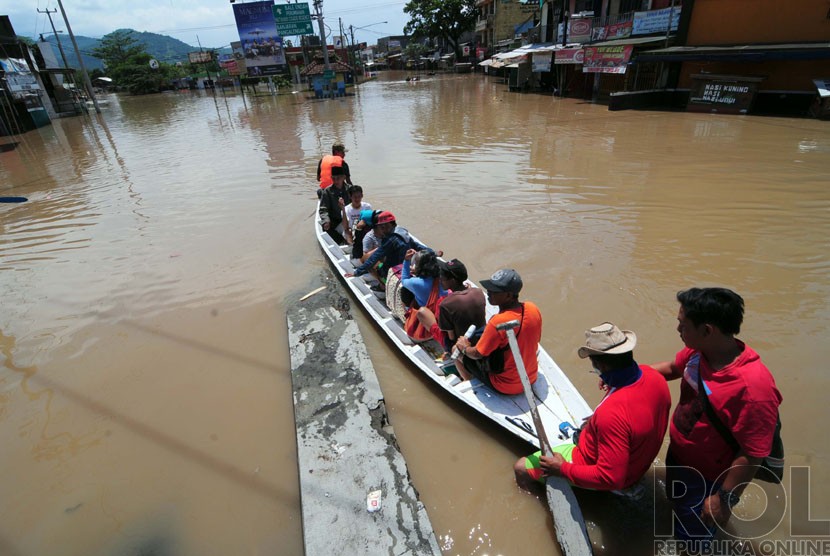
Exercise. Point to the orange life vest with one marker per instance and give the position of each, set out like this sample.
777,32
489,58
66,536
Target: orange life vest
325,169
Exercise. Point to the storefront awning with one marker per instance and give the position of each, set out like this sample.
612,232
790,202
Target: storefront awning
746,53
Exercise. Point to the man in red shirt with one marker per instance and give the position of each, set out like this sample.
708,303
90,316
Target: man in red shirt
704,475
617,444
479,361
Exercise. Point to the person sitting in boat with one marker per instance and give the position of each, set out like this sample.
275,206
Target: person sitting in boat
420,289
332,202
617,444
490,359
353,212
395,241
464,306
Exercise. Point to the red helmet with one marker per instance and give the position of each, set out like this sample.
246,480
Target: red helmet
385,217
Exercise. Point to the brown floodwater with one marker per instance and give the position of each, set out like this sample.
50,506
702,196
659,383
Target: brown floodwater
145,397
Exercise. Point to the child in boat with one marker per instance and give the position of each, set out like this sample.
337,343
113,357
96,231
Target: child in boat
353,212
420,288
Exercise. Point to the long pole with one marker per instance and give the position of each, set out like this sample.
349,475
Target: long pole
207,70
87,82
318,11
564,507
54,32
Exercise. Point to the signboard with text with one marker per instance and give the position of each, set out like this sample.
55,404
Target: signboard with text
656,21
293,19
612,32
260,41
607,59
569,56
541,61
725,94
205,57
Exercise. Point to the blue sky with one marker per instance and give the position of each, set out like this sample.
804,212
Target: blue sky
211,20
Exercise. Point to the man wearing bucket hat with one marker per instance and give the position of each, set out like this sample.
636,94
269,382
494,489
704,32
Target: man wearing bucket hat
617,444
490,360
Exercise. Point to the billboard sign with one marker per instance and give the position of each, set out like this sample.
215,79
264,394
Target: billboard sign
607,59
569,56
656,21
293,19
541,61
261,44
200,57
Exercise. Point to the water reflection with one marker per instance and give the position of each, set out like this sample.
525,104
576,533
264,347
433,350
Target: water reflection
143,281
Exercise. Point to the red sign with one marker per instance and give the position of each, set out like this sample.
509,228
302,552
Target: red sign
569,56
611,32
607,59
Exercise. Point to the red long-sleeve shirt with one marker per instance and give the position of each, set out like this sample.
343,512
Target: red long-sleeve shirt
623,436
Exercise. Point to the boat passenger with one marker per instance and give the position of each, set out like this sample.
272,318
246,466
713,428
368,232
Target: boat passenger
420,288
395,241
336,158
353,211
617,444
490,360
332,202
464,306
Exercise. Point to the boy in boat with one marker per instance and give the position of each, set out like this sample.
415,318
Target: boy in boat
490,360
617,444
708,466
353,211
464,306
395,241
332,202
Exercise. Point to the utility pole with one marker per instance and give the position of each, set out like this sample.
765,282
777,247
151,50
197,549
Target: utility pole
87,82
354,48
207,70
54,32
318,12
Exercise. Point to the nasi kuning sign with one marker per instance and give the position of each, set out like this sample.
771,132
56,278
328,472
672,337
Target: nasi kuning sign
293,19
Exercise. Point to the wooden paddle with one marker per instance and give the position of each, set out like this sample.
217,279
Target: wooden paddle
564,507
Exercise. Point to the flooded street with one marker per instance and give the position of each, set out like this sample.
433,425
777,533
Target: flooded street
145,395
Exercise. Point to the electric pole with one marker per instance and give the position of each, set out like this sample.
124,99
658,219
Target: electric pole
318,12
87,82
54,32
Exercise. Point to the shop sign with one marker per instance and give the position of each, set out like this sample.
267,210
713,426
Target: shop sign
612,32
541,61
607,59
569,56
726,94
656,21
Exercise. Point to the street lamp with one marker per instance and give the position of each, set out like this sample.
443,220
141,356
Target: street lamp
352,29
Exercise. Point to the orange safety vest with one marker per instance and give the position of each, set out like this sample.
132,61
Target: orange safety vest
325,169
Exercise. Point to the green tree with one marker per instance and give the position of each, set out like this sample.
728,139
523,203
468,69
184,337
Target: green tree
445,19
128,63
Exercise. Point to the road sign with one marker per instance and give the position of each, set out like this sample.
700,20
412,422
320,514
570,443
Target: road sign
293,19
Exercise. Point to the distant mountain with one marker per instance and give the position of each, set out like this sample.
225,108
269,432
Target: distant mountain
161,47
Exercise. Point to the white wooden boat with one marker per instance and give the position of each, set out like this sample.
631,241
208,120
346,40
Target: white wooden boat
558,401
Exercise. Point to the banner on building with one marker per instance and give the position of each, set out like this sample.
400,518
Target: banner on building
18,77
607,59
569,56
481,52
541,61
204,57
656,21
612,32
579,30
261,44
